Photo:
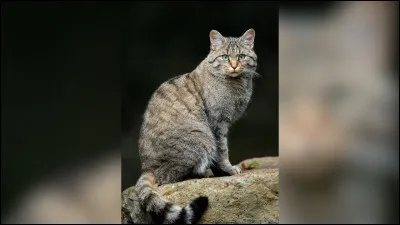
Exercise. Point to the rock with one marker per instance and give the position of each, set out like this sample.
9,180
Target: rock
249,197
264,163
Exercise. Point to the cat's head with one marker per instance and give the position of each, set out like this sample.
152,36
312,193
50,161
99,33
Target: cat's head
232,56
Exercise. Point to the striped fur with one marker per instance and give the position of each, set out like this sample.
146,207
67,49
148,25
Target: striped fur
186,123
162,211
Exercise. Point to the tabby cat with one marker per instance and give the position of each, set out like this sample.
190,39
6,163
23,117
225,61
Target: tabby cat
186,123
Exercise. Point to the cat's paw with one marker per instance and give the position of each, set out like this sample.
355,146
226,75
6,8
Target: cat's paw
226,170
234,170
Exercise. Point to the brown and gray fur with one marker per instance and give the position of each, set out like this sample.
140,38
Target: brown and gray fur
186,123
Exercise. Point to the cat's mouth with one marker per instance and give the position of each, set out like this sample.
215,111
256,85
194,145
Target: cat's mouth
234,73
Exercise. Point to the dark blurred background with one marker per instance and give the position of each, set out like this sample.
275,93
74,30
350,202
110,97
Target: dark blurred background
169,39
61,69
76,74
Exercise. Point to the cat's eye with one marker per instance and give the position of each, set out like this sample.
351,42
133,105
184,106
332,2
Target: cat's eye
225,57
241,57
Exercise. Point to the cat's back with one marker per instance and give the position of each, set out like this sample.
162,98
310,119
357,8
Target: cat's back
175,101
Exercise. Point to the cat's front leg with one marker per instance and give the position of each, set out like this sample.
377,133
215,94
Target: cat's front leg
222,166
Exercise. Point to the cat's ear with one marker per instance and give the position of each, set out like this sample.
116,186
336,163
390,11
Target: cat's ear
216,40
248,38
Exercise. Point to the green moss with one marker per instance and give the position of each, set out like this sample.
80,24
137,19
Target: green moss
253,165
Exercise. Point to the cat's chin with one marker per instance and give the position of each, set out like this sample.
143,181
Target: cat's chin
234,74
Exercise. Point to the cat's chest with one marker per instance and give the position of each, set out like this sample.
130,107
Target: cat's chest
228,104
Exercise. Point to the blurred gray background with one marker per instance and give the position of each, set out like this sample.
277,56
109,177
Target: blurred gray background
338,112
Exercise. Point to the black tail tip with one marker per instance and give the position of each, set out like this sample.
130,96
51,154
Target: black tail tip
201,202
199,206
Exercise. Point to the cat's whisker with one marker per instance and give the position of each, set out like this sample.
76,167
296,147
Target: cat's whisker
252,73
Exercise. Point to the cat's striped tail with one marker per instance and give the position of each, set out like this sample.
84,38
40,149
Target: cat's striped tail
164,212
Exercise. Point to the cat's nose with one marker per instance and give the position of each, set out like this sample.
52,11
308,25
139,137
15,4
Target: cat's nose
234,64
